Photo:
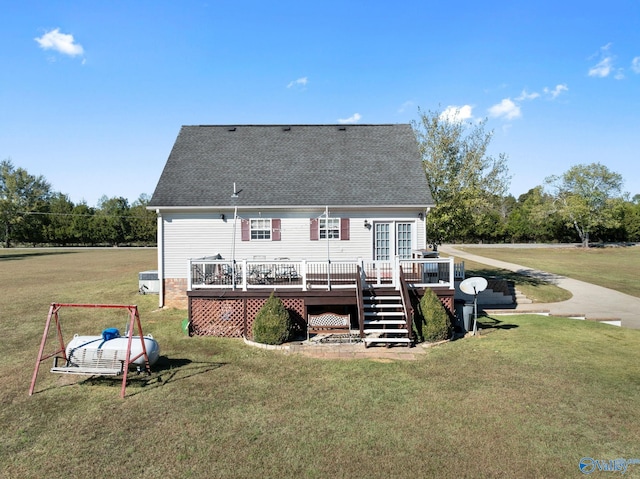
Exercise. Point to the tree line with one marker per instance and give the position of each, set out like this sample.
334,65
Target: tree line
584,204
32,214
469,188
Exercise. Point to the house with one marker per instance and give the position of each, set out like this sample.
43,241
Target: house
317,213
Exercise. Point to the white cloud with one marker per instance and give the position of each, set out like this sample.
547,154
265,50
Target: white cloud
454,114
605,67
60,42
527,96
505,109
352,119
635,64
602,69
405,106
300,82
557,90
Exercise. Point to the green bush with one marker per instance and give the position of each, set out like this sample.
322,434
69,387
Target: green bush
272,324
436,325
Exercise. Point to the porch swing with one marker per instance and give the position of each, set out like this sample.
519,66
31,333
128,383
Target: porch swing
108,354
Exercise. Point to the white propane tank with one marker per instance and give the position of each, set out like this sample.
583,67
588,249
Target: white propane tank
90,351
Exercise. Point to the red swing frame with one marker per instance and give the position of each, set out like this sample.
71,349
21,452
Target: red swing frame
134,322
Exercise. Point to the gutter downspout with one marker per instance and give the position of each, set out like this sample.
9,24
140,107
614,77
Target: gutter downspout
233,246
326,226
160,258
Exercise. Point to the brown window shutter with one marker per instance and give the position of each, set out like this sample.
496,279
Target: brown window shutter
344,228
275,229
314,233
245,229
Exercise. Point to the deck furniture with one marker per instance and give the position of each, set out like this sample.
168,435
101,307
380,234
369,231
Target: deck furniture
329,323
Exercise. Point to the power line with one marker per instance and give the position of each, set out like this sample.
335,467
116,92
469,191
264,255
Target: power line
90,215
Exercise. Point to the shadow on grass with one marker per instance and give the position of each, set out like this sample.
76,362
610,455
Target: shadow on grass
31,254
523,276
164,371
489,323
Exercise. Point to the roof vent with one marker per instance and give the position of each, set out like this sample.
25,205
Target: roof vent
342,128
286,128
231,128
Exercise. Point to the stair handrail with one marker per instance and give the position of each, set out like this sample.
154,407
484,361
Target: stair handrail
406,302
360,301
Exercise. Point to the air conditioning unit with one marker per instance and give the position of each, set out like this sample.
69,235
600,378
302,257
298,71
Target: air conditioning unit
148,282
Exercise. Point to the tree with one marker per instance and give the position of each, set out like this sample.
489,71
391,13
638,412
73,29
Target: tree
631,220
143,221
21,195
59,225
587,197
531,220
112,220
84,224
465,182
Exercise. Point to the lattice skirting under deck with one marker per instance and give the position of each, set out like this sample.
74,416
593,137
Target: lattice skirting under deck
233,318
448,304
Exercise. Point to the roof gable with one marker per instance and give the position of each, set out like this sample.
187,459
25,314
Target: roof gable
293,166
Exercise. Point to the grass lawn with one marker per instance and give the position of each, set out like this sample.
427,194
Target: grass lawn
612,267
529,397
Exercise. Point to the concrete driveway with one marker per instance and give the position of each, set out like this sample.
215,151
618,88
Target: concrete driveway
589,301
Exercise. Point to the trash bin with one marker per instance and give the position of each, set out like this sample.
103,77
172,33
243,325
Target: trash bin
467,317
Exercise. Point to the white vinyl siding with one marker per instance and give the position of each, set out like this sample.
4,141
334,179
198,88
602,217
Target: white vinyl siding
196,235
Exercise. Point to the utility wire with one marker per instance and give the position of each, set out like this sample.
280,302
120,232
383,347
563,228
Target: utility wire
94,215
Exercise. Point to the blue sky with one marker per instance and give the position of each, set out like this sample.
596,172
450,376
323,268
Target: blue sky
93,94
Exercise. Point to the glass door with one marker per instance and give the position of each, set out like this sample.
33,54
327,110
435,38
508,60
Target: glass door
391,239
403,240
382,241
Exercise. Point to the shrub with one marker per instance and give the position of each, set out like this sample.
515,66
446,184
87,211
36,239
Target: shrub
272,324
436,325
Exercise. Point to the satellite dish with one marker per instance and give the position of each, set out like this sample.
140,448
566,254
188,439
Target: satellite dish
474,285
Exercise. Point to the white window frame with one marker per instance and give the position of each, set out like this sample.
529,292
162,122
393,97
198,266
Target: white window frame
333,229
392,238
260,229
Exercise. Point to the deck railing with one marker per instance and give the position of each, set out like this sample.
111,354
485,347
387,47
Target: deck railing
406,302
204,273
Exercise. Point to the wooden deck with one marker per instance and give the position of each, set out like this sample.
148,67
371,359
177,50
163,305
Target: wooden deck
230,313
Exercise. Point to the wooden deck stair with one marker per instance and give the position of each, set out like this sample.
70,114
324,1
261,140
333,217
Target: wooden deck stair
384,318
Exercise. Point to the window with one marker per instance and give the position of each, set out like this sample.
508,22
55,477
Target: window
333,228
329,228
260,229
403,241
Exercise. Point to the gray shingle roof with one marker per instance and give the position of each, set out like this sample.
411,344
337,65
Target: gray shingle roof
300,165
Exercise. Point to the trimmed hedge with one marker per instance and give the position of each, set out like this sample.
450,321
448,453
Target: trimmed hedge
436,325
272,324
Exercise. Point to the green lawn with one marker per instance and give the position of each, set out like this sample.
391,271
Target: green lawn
529,397
612,267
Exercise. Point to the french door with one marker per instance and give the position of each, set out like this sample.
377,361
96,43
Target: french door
391,239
